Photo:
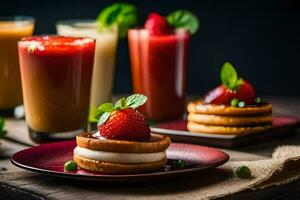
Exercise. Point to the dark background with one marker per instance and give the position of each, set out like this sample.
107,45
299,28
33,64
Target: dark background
260,37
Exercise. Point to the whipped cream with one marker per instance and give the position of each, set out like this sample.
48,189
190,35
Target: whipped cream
115,157
98,136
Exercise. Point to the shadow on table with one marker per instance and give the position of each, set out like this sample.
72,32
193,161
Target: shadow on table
172,185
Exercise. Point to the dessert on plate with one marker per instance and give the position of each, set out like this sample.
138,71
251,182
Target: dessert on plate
232,108
123,143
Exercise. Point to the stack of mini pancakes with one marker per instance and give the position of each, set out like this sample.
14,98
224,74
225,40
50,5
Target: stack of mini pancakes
118,156
228,120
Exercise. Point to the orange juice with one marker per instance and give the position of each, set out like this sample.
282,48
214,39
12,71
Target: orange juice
11,30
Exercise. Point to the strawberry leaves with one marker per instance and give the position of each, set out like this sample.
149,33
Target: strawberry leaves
229,77
136,100
123,14
103,118
106,107
184,19
105,110
121,103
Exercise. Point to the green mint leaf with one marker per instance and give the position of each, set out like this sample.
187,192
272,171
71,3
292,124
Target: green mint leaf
94,116
106,107
136,100
102,109
92,119
104,117
122,14
121,103
98,115
238,83
92,113
183,19
229,76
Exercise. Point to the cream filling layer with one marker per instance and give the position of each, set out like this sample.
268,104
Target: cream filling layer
115,157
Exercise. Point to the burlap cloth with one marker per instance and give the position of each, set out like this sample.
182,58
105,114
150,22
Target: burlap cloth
282,168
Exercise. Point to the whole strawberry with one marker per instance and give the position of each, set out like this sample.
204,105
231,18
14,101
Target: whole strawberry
231,88
158,25
122,121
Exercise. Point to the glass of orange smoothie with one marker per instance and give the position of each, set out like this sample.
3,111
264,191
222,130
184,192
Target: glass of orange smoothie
11,30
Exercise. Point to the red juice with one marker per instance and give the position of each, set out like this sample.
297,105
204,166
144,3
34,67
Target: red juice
159,71
56,77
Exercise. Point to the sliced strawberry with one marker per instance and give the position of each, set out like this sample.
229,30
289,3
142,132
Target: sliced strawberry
246,93
125,124
158,25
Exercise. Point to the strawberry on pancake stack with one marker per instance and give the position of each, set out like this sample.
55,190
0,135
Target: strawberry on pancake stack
230,109
124,142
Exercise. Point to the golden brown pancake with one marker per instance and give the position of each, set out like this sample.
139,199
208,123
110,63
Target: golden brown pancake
225,130
224,120
157,143
198,106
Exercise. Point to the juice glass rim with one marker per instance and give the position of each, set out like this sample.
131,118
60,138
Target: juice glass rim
85,24
178,30
145,32
42,40
19,20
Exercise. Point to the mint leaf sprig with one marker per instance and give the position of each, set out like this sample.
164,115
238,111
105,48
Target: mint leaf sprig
229,77
132,101
183,19
123,14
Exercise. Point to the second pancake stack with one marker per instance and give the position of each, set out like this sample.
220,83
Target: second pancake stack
228,120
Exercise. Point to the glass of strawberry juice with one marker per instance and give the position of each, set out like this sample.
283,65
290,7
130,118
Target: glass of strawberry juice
159,71
56,77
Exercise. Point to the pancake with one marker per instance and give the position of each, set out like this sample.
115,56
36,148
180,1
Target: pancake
119,156
157,143
199,107
116,168
223,120
225,130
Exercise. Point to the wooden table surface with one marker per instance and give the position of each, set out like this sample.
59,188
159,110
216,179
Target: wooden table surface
16,183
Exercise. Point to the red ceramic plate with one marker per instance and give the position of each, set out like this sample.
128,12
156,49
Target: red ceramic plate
283,126
49,159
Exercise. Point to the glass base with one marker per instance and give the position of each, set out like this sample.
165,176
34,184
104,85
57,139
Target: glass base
43,137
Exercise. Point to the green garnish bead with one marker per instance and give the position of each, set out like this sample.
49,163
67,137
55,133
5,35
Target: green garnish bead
178,164
234,102
70,165
258,100
243,172
242,104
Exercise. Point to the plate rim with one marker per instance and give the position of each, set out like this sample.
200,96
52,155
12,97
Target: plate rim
118,177
185,133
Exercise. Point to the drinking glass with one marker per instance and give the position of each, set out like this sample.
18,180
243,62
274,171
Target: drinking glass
56,77
12,28
159,70
104,61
